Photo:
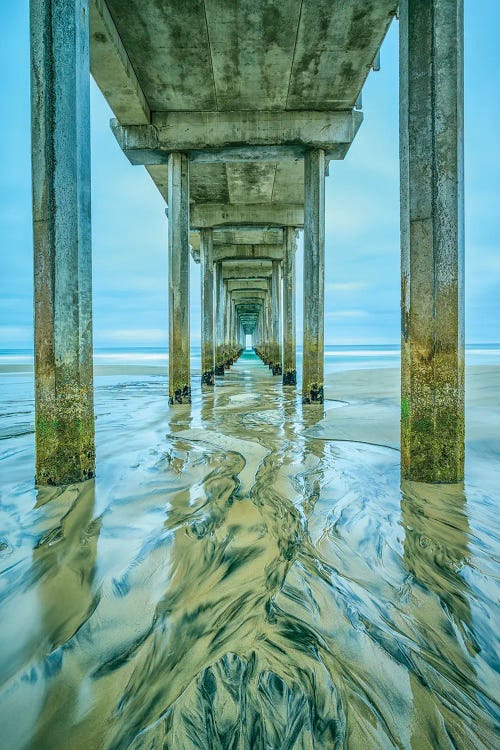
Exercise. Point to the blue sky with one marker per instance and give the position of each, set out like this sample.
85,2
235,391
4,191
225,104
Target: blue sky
362,209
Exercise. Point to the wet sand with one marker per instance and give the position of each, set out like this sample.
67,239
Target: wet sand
247,573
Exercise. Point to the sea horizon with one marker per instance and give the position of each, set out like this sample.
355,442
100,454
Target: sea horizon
337,356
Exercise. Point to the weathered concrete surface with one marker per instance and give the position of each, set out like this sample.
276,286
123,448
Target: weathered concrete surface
207,308
314,276
240,184
237,82
219,319
432,241
179,383
234,269
60,128
228,236
247,284
289,336
248,252
112,69
281,54
213,214
276,356
249,296
239,136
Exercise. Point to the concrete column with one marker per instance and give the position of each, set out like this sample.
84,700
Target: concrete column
207,307
219,318
289,347
314,276
60,137
276,363
178,264
432,240
226,320
267,327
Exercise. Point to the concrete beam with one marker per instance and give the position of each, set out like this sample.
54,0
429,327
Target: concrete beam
205,215
249,296
248,284
112,69
232,270
241,236
248,252
253,307
238,136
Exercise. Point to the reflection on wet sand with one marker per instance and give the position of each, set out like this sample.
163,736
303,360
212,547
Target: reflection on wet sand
237,584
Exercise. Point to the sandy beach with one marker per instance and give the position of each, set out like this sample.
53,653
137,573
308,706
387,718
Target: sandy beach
246,570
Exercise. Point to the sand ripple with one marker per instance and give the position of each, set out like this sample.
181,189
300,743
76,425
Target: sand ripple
232,581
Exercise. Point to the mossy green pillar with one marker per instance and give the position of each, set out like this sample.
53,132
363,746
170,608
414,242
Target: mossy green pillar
432,241
60,129
179,383
314,276
289,345
207,307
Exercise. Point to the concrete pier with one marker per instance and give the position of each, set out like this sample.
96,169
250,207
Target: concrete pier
432,240
240,161
179,383
289,323
64,417
314,276
207,307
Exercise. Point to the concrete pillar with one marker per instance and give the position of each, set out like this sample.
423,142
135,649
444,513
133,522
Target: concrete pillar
432,240
314,276
289,346
276,363
219,318
226,322
207,307
178,265
267,327
60,136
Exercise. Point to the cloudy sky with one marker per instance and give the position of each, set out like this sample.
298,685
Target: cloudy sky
362,209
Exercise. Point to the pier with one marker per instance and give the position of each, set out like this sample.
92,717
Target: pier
239,111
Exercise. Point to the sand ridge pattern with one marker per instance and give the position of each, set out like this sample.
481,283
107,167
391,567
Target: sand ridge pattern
232,581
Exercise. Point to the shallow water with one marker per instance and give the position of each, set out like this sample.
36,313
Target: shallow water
229,582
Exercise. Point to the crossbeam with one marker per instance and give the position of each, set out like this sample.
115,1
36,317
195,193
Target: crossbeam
241,236
204,215
238,136
235,270
248,252
249,295
247,284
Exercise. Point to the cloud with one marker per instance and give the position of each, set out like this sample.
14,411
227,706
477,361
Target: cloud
347,314
131,336
346,287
